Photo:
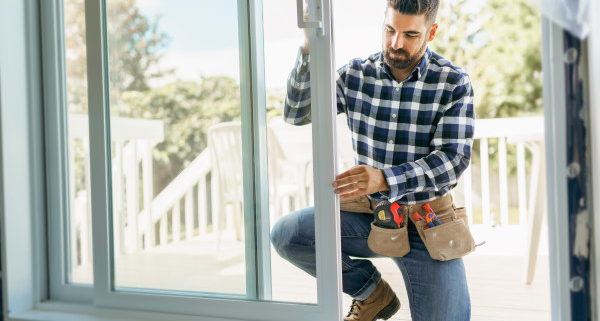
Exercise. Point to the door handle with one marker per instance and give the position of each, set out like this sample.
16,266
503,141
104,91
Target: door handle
317,24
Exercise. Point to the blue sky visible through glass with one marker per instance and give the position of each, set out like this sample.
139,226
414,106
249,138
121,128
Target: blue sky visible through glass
205,42
195,25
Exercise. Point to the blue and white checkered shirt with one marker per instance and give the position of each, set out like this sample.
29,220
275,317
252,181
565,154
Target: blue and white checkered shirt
419,132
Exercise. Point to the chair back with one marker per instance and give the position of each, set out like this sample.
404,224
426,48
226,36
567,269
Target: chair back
225,144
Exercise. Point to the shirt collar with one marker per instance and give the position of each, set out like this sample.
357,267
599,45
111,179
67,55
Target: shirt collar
416,73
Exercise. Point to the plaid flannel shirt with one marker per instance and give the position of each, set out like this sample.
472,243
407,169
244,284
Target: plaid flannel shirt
419,132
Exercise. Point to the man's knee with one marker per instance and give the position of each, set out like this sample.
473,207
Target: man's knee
281,236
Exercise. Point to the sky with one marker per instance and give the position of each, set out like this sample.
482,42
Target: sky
204,35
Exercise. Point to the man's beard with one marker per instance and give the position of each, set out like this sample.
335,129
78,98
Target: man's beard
401,63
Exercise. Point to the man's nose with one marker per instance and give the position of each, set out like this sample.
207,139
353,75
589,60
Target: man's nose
397,41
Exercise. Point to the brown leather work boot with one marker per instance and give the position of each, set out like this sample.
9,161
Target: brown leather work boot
382,304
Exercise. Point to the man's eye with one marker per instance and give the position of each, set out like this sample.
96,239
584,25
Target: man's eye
412,36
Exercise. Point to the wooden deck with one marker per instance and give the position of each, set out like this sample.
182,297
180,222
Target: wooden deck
495,276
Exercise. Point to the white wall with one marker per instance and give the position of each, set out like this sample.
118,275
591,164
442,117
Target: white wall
20,153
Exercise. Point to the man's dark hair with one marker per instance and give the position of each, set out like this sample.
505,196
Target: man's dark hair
429,8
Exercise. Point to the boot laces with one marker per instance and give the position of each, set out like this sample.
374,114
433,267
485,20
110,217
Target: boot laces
355,307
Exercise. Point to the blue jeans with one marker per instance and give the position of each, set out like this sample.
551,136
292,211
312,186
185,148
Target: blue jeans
436,290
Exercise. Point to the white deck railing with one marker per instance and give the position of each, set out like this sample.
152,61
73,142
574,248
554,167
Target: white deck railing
136,227
525,132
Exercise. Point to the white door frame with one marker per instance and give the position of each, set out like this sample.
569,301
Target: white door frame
594,75
327,231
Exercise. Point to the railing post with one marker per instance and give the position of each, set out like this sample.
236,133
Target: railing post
72,208
86,239
468,192
202,205
522,184
216,204
163,228
485,182
503,175
133,186
150,239
189,214
117,187
176,219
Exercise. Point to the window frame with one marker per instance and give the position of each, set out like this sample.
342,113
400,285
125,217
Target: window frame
594,95
328,248
556,143
56,130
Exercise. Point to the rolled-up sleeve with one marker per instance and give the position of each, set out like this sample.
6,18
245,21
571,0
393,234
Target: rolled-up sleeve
296,110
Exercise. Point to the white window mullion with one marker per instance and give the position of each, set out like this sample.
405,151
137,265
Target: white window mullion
323,115
250,112
252,71
57,156
99,145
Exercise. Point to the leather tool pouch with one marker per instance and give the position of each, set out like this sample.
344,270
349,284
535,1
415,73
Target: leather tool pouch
450,240
384,241
389,241
359,204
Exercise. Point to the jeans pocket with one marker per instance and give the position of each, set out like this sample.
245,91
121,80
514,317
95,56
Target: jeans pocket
388,241
448,241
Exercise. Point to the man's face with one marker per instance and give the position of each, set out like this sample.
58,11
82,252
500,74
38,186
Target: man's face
405,38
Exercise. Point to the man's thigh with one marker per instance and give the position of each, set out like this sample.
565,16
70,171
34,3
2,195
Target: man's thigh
355,229
436,290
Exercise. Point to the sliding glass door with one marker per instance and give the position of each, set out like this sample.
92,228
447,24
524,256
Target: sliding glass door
191,163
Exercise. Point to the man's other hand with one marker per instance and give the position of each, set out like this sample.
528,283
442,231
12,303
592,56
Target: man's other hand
306,43
360,180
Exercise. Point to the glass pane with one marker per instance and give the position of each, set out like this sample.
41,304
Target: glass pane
78,222
177,185
290,160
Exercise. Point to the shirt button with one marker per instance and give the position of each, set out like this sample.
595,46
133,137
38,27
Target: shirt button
391,141
304,64
393,115
397,89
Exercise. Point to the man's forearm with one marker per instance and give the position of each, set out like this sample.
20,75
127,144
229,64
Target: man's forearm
297,106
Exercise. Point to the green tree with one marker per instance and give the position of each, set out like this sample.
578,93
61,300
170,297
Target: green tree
187,110
134,43
498,43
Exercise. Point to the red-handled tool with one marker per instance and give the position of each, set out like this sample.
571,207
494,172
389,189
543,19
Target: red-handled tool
398,217
430,216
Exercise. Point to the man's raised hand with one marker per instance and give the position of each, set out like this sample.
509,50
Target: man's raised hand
360,180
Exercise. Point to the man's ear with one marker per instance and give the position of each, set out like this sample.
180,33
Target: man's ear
432,32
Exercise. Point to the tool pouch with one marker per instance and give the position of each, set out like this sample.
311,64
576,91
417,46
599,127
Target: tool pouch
450,240
389,241
358,204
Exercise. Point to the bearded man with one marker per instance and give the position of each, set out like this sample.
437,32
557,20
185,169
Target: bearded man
412,120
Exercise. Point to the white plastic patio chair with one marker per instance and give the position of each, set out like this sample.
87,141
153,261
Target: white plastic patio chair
225,144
